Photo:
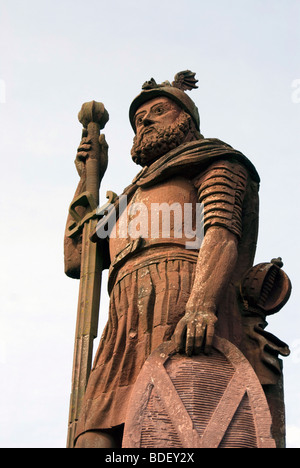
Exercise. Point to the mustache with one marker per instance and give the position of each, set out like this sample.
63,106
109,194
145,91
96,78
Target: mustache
149,129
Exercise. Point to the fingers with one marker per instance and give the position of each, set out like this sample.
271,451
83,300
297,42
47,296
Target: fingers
190,335
179,335
86,145
82,153
88,148
199,336
210,330
194,335
83,149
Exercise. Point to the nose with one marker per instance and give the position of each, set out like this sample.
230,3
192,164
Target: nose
147,121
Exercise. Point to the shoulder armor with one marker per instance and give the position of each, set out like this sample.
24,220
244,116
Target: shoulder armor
221,189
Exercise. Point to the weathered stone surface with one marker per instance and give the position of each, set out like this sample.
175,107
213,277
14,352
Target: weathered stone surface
177,275
213,401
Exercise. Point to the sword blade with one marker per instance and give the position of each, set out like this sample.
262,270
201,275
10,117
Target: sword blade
86,325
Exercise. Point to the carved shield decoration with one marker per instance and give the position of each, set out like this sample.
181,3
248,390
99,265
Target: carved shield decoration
213,401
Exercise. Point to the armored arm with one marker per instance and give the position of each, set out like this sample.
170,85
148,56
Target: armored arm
221,189
73,245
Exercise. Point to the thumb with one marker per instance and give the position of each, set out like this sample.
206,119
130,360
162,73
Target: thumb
102,142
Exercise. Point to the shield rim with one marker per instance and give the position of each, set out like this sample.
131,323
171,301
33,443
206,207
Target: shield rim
147,380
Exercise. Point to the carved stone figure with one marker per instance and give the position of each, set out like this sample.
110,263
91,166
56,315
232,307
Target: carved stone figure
182,285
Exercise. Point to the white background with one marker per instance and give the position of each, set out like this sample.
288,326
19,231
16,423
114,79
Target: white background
56,55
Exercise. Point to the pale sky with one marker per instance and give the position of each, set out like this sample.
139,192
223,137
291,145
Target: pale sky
56,55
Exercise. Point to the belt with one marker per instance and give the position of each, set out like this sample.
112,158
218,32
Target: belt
140,245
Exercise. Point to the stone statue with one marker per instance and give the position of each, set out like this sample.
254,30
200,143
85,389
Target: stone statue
184,293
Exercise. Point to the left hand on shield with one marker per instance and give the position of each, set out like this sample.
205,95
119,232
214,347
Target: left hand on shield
195,331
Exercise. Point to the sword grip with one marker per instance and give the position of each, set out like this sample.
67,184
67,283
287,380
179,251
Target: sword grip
93,162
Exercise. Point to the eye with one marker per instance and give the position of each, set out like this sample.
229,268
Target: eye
139,120
159,110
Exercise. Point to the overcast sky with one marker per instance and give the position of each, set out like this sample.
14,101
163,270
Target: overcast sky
56,55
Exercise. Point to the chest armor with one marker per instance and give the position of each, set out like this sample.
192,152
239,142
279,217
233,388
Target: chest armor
167,213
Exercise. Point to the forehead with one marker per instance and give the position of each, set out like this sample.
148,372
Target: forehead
159,100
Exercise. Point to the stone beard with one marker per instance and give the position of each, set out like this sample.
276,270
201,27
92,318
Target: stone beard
153,144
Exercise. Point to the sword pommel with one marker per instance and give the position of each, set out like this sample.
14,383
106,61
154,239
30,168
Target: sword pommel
93,112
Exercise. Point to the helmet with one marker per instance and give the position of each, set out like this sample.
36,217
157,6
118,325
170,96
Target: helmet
184,80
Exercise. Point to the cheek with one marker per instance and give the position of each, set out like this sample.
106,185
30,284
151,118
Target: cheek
170,118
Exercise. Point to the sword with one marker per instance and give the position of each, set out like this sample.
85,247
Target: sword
93,117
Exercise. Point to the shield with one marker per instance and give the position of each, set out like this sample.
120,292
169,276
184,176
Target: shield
205,401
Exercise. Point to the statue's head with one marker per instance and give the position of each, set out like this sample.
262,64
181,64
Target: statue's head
163,117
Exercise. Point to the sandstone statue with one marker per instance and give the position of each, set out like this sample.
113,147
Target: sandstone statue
184,360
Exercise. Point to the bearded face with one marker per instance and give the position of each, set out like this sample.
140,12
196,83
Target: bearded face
161,126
